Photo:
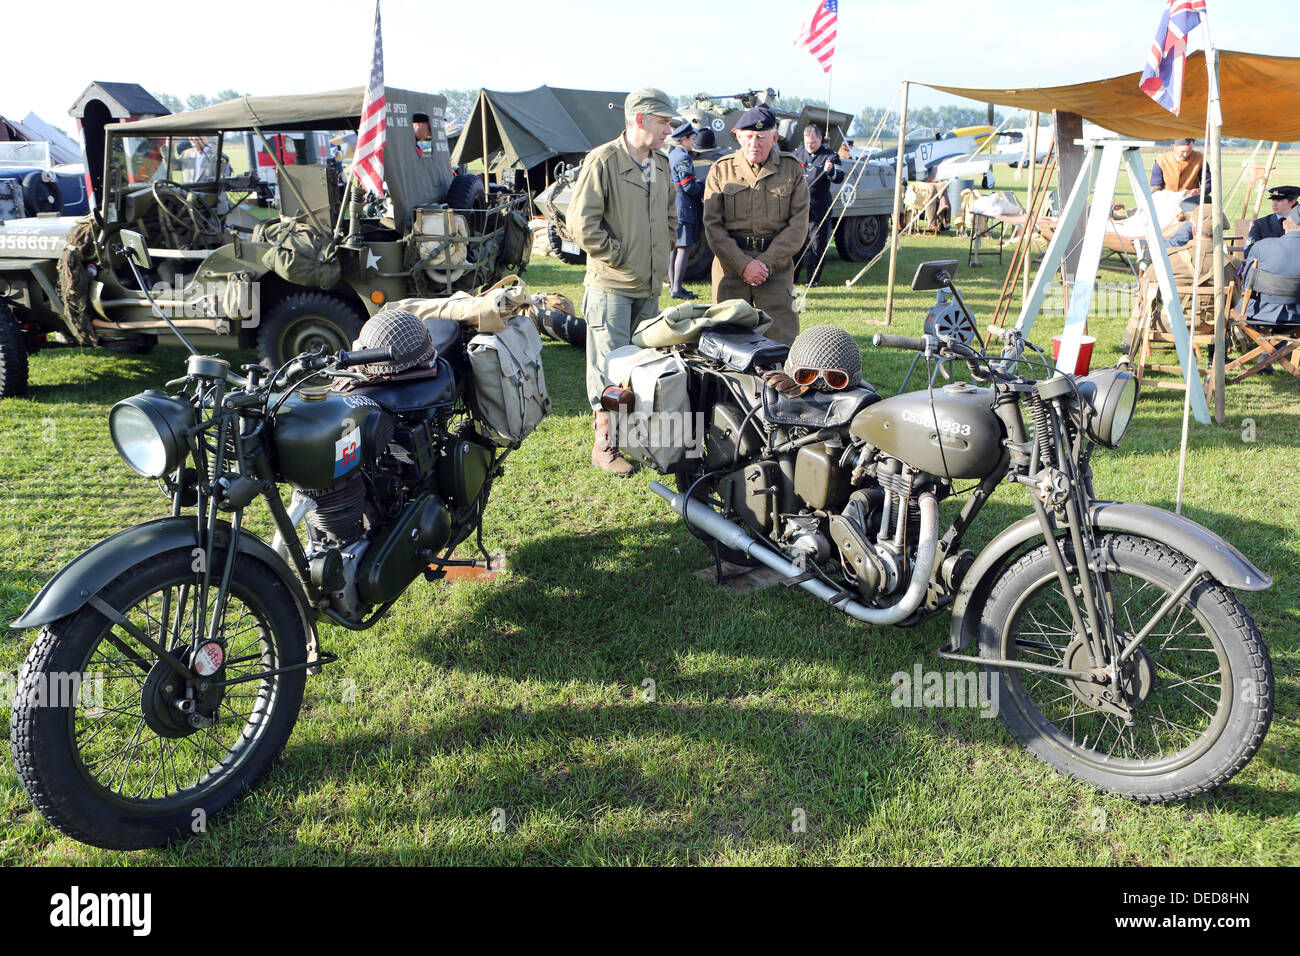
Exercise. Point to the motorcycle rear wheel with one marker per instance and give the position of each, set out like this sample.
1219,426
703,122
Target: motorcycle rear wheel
1201,684
119,767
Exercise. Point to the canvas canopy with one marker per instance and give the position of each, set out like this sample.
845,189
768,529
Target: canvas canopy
1260,97
413,178
533,126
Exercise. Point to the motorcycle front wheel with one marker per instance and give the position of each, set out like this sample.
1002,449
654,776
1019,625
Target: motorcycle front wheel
1192,704
114,748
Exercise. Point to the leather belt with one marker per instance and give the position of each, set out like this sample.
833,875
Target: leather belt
752,243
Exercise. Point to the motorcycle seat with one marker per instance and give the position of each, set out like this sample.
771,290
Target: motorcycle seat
446,336
817,409
414,392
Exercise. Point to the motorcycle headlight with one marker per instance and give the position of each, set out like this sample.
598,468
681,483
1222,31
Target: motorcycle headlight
1109,397
149,431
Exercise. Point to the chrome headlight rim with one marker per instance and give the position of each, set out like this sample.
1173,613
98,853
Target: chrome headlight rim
166,417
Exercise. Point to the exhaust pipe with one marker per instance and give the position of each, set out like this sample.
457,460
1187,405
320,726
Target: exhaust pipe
733,536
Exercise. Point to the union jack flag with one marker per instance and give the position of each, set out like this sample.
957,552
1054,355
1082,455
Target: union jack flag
368,163
818,34
1162,78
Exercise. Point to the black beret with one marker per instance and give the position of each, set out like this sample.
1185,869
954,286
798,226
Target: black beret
759,118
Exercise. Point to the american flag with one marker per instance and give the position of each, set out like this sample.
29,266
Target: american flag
1162,78
818,34
368,164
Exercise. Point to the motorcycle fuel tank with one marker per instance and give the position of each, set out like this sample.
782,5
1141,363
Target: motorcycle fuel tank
316,438
962,418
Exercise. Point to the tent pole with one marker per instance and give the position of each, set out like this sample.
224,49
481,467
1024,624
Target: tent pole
898,207
483,128
1268,174
1220,306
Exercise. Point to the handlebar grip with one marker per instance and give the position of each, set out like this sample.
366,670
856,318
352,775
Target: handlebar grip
365,357
882,341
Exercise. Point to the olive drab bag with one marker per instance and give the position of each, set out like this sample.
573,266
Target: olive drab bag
508,386
658,429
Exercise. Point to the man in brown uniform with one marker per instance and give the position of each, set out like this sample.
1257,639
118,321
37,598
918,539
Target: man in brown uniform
756,220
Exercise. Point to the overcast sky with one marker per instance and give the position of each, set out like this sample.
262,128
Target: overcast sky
273,46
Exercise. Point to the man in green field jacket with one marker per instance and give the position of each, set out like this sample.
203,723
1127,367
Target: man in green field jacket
624,216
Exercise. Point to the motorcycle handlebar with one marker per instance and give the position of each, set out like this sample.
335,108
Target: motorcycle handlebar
882,341
365,357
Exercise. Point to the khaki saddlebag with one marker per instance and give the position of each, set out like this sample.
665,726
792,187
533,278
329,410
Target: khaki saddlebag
660,430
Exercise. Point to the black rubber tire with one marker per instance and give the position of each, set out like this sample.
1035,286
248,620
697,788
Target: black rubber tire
40,195
303,321
1200,766
13,355
44,742
859,238
699,265
557,246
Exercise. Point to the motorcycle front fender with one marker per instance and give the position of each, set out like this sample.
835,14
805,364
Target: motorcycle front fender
1199,543
89,572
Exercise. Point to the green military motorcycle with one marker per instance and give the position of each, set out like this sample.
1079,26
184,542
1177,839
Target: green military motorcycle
1121,653
195,633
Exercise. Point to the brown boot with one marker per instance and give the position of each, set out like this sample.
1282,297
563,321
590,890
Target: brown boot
604,453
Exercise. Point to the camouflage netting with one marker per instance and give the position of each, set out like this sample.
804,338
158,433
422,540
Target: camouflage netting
298,254
74,280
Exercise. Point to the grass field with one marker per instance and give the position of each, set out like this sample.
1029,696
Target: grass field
524,698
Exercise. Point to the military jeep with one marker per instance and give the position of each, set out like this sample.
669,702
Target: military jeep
254,237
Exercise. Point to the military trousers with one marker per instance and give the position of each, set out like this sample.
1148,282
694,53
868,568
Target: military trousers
775,297
611,319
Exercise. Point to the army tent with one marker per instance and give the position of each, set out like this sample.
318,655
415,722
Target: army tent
1260,95
531,127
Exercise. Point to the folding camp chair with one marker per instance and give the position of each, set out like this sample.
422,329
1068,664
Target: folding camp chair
1154,338
1264,345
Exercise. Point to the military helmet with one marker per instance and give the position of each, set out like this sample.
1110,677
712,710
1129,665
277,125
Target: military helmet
824,347
405,334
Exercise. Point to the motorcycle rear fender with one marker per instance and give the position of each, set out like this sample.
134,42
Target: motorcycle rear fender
94,568
1199,543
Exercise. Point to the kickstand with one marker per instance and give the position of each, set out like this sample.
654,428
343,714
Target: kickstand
721,578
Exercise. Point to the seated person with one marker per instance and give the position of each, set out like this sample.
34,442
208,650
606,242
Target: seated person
1273,273
1180,170
1270,226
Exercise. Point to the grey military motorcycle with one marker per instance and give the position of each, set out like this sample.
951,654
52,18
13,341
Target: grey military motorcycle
1123,656
197,635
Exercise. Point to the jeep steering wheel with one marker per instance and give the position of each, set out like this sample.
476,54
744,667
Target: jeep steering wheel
187,213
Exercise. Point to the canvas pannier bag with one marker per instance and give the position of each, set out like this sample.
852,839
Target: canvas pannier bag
659,430
508,387
484,313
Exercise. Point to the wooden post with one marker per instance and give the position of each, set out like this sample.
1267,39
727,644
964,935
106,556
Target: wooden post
1069,157
1268,174
1033,164
898,208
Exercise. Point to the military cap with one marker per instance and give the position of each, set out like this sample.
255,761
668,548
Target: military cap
684,130
649,100
759,118
1284,192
